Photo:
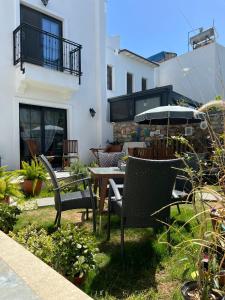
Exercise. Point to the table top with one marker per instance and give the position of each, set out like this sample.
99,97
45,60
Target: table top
110,171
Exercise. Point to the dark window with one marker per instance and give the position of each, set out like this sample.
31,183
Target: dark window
39,48
121,110
143,84
46,128
129,83
147,103
109,78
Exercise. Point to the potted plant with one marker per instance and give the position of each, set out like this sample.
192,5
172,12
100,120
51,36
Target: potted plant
33,176
8,186
74,254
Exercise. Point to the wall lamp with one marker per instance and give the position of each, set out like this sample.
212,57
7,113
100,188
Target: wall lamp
45,2
92,112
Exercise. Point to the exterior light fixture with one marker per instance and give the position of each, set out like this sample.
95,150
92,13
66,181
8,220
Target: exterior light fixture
92,112
45,2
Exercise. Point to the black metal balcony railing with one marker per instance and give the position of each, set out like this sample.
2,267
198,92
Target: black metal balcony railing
42,48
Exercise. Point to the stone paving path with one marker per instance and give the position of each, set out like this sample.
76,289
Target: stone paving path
49,201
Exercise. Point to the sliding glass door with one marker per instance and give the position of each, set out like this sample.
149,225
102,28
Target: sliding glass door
42,130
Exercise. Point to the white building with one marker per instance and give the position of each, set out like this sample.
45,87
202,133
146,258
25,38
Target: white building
56,64
198,74
41,97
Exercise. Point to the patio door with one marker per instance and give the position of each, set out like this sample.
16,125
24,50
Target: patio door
42,43
43,127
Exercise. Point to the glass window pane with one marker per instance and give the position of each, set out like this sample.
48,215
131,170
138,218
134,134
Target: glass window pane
129,83
145,104
121,110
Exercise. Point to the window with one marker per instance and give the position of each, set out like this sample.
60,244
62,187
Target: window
121,110
143,84
40,48
46,127
129,83
145,104
109,78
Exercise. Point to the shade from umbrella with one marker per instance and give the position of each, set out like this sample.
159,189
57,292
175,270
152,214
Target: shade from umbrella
164,115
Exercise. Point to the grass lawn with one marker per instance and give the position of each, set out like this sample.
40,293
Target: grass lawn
148,270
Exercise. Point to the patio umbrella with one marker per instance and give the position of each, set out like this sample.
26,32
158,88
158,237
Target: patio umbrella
165,115
49,127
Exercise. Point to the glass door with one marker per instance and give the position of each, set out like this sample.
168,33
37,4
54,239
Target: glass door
40,46
42,130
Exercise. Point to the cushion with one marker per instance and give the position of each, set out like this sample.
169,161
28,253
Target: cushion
110,159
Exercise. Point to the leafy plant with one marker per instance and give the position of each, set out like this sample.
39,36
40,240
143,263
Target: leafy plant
78,167
74,253
33,171
8,217
37,241
8,186
70,250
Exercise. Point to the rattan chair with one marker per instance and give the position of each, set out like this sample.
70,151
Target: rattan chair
148,187
80,199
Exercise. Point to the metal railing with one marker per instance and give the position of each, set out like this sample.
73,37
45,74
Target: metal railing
39,47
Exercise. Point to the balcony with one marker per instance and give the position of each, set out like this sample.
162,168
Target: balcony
34,48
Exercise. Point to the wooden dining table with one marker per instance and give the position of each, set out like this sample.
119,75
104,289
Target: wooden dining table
102,175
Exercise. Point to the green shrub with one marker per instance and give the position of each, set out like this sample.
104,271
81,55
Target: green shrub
78,167
37,241
8,217
70,250
75,251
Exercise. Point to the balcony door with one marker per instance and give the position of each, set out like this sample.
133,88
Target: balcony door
41,43
45,128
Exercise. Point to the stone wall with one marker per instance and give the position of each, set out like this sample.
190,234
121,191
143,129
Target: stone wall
131,131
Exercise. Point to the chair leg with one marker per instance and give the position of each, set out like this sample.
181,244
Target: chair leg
108,224
178,209
168,235
94,220
122,238
87,214
56,217
59,220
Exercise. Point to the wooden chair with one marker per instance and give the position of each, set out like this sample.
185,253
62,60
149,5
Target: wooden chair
70,151
33,147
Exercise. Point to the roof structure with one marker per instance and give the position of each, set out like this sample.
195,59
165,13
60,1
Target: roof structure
138,57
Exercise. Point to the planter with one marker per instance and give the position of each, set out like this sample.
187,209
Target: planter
217,218
114,148
27,187
6,200
190,291
78,281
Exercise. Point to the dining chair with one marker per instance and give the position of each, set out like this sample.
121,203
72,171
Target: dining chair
33,147
70,151
147,194
72,200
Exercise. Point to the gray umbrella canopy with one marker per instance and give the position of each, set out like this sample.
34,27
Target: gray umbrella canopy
164,115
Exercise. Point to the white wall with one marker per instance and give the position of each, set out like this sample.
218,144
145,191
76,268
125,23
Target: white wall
194,74
121,65
84,23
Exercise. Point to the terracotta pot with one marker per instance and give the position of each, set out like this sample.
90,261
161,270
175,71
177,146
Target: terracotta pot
221,278
27,187
191,286
6,200
78,281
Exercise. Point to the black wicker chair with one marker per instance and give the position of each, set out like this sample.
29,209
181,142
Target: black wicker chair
80,199
148,187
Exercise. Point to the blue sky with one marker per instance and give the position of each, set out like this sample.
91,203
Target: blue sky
147,27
